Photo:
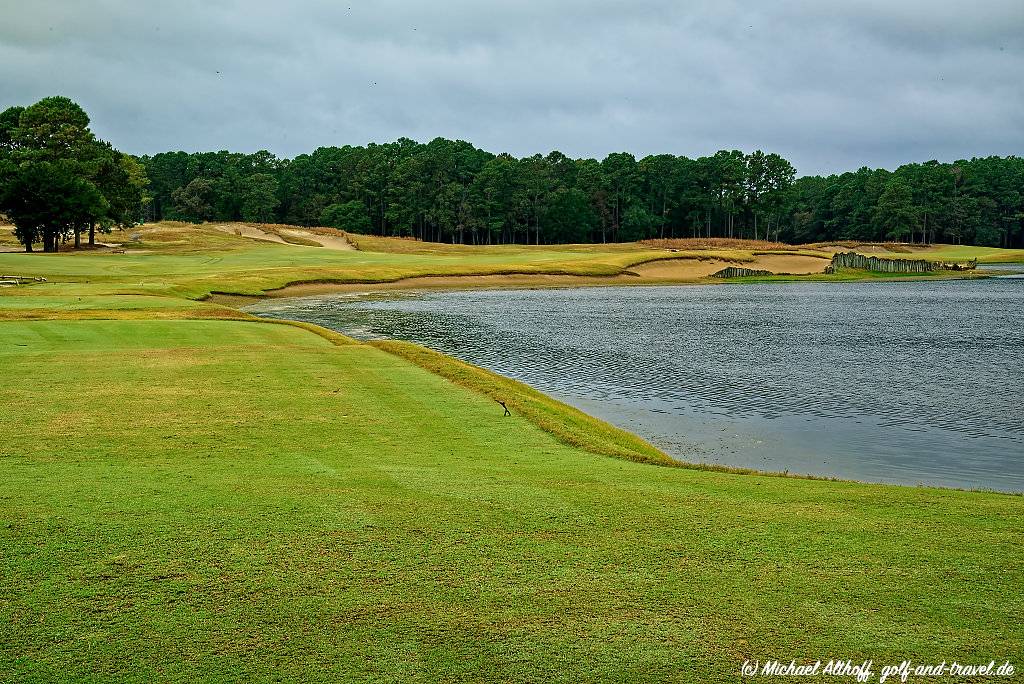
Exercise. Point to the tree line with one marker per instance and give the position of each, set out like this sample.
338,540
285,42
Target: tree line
978,201
57,179
451,191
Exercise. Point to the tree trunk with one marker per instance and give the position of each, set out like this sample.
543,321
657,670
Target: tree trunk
92,233
78,237
664,214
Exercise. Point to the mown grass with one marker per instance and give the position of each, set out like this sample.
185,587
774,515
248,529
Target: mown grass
938,252
223,500
194,261
246,500
984,255
187,261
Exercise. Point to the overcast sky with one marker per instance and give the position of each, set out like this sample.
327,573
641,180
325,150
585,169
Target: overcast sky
830,85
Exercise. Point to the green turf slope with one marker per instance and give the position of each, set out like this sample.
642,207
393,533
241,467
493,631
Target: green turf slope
240,501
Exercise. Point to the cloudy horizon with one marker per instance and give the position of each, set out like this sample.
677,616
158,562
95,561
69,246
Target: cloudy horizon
831,88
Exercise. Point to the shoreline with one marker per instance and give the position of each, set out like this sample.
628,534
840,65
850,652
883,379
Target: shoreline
447,366
536,281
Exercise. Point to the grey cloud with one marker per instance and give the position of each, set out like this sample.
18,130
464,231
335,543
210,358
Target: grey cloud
830,85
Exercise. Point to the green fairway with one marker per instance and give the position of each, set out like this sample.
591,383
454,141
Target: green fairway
237,500
186,261
224,500
193,261
984,255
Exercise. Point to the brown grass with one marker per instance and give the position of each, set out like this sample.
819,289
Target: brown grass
716,243
893,247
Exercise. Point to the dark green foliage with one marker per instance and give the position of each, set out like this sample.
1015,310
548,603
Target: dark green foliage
349,216
259,198
570,216
48,201
123,182
57,179
450,191
54,129
192,202
977,201
9,119
895,215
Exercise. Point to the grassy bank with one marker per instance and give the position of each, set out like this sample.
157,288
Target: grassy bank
315,511
188,494
565,423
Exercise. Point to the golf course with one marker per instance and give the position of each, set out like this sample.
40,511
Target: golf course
189,492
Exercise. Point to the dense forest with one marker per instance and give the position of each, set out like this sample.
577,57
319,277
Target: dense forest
453,192
58,180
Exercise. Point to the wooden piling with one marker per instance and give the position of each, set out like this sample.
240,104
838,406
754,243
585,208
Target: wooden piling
883,265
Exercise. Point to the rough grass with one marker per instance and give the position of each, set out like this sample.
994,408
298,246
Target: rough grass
7,238
399,245
895,247
331,336
225,501
717,243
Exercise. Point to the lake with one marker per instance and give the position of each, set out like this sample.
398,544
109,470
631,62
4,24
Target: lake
901,382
